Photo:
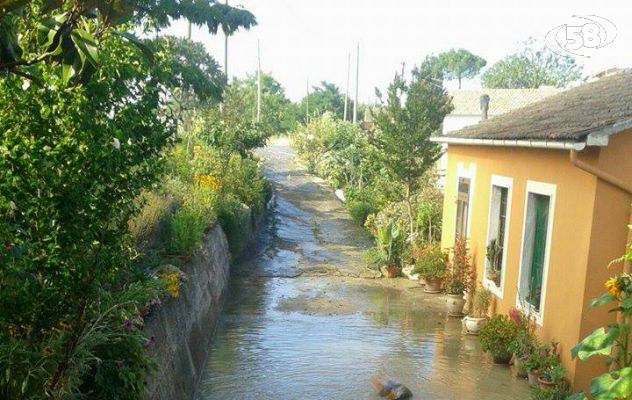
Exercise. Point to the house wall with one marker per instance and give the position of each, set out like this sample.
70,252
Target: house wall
570,237
608,240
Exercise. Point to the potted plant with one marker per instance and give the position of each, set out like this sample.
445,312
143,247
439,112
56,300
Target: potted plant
552,376
493,255
475,321
535,363
496,338
387,242
457,277
431,265
525,342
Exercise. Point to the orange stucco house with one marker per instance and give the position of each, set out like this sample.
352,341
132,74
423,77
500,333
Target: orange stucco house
551,185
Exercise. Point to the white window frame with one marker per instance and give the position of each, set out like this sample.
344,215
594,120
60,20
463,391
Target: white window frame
505,182
469,172
546,189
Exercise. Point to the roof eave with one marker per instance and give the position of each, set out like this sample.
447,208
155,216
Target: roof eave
538,144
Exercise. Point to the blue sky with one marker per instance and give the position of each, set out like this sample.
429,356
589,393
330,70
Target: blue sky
308,39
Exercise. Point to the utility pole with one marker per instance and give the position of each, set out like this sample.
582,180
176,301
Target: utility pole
226,52
307,104
347,90
189,31
259,83
355,104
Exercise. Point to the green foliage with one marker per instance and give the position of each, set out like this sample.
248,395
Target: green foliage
388,242
325,98
612,341
430,261
482,300
412,114
460,64
236,221
497,335
558,393
86,118
68,35
240,105
532,67
360,210
457,276
186,228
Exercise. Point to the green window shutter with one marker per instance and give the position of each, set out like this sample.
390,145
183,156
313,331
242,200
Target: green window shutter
541,209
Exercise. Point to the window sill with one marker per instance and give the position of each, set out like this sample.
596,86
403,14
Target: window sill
491,286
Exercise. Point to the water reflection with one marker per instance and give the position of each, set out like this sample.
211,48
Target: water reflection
323,337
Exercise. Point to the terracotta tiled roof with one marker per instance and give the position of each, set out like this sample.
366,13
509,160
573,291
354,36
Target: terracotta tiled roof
567,116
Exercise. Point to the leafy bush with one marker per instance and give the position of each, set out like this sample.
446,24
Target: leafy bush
497,336
186,228
430,261
549,394
458,275
236,221
145,225
482,300
359,211
613,342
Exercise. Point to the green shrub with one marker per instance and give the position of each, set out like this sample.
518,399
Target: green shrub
186,228
235,219
146,224
359,211
430,261
482,300
550,394
497,336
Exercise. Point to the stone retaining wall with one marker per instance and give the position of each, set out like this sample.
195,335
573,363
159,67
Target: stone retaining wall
183,327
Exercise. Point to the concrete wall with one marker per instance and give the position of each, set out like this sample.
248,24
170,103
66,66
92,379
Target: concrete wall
183,327
571,234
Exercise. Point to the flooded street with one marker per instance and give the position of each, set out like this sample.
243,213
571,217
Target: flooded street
304,319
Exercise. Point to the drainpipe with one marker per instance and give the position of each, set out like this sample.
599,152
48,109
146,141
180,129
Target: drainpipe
619,184
614,181
603,175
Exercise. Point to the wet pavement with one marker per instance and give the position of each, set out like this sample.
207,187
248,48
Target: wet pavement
304,319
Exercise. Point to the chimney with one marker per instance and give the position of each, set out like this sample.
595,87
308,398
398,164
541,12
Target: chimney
484,105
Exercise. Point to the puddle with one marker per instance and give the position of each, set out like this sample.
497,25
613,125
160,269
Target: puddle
297,324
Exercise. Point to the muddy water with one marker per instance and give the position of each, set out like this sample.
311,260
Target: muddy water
305,320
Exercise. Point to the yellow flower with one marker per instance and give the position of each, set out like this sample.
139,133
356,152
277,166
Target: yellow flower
197,149
173,284
208,181
611,285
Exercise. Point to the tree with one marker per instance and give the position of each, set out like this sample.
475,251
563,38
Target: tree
412,114
67,33
532,67
459,64
326,98
277,112
85,118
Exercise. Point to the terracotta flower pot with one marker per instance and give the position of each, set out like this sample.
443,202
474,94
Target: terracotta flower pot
533,376
455,304
544,384
474,325
433,285
390,271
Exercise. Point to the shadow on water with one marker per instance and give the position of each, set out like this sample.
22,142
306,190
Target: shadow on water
288,334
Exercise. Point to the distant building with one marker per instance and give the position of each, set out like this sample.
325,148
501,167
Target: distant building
467,109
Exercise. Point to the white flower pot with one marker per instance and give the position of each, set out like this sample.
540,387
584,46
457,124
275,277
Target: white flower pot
474,325
455,304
